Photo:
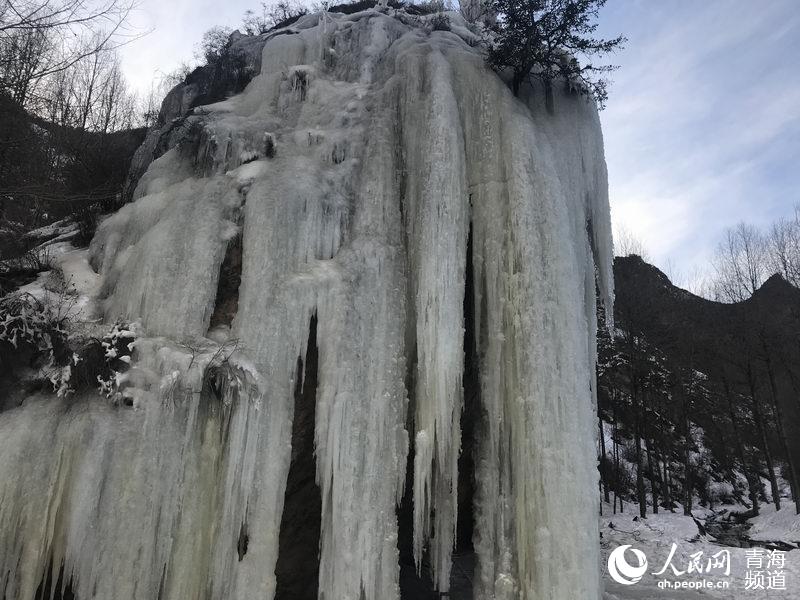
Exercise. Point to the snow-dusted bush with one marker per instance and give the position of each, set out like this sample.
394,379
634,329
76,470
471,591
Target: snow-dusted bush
27,321
37,329
97,364
440,22
117,345
433,6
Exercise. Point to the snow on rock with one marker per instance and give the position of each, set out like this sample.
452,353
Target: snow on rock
356,165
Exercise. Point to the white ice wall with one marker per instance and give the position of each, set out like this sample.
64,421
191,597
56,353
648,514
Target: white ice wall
391,141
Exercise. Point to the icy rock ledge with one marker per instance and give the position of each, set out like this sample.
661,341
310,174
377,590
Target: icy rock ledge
345,189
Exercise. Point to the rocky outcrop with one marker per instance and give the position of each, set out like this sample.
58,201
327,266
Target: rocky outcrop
239,62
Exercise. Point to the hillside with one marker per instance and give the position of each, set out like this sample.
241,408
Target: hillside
710,385
53,177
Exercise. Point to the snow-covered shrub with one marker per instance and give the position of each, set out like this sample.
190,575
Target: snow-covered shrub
35,331
27,321
440,22
428,7
117,346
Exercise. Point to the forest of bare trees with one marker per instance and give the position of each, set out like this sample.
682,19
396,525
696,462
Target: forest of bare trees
743,259
58,59
747,256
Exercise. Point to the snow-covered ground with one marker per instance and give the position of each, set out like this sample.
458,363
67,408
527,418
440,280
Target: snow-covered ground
753,572
771,525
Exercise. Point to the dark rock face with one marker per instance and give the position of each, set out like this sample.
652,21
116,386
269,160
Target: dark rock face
212,82
297,569
230,277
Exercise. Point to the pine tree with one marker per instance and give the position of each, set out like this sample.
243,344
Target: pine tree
545,39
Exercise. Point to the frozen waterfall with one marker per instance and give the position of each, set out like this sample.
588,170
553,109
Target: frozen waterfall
368,178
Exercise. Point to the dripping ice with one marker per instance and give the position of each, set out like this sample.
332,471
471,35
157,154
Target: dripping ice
389,144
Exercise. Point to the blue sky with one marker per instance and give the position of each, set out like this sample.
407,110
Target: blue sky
702,128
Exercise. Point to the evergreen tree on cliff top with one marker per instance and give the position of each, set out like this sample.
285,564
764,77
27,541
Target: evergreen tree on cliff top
544,39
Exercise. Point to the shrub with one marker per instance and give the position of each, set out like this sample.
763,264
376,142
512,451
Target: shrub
23,267
349,8
86,216
37,330
225,73
35,333
214,44
440,22
272,16
543,40
117,347
25,320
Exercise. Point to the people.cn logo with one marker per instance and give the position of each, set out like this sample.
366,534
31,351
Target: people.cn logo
621,570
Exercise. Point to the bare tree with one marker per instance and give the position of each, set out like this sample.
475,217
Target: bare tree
698,282
271,14
39,38
61,92
694,279
626,243
149,105
22,55
783,247
740,263
91,95
213,44
117,105
58,14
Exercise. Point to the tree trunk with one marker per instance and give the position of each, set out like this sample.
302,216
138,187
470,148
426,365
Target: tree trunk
750,472
516,81
653,474
759,421
615,451
782,431
640,491
666,487
687,463
603,459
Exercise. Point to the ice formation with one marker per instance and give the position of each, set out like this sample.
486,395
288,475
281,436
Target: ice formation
354,170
